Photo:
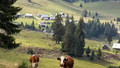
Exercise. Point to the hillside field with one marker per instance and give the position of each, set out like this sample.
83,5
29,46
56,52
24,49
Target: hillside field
37,39
42,41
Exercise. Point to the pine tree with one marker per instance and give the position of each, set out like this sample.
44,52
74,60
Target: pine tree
79,38
68,41
39,27
58,29
67,21
22,25
47,27
119,41
109,39
88,51
85,13
52,26
99,53
92,56
33,26
7,14
81,5
30,1
96,14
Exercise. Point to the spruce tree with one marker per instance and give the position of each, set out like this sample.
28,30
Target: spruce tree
33,25
39,27
88,51
79,38
99,53
92,56
68,41
67,21
84,13
22,25
7,14
81,5
119,41
58,29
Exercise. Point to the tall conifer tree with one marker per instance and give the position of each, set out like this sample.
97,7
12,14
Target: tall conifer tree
8,29
68,41
79,38
58,29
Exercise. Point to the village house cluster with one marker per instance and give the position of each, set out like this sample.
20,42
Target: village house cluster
42,16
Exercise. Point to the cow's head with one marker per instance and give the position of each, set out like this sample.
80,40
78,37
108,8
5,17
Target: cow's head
62,59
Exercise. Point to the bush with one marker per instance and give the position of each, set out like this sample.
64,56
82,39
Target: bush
113,67
99,53
30,51
88,51
92,56
23,65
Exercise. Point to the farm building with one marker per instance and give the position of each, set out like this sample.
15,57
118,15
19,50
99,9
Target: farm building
28,15
116,46
43,24
52,18
64,16
18,14
43,16
105,47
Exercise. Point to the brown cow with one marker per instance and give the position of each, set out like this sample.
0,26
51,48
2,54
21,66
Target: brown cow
66,62
34,59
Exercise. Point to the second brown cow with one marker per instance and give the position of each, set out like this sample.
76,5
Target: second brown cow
66,62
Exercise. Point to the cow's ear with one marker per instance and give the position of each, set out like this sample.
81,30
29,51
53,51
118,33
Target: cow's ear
66,59
58,58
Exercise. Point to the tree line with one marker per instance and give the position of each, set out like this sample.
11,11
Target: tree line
70,1
86,1
72,35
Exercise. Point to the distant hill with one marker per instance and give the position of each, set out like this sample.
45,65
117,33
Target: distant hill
48,7
106,9
109,8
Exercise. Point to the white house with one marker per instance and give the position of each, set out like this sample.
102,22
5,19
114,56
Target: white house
43,24
29,15
52,18
116,46
43,16
18,14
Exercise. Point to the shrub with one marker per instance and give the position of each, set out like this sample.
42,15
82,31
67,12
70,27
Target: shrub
30,51
113,67
92,56
23,65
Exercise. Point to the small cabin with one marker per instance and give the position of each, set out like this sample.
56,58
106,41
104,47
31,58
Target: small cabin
43,16
18,14
116,46
28,15
43,24
52,18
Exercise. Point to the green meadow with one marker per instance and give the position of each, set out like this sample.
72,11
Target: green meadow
29,38
104,8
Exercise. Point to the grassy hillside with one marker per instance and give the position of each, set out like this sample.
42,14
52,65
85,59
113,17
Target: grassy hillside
47,7
105,8
44,62
41,40
36,39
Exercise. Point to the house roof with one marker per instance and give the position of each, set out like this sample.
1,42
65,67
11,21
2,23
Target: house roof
43,15
18,14
27,14
116,46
